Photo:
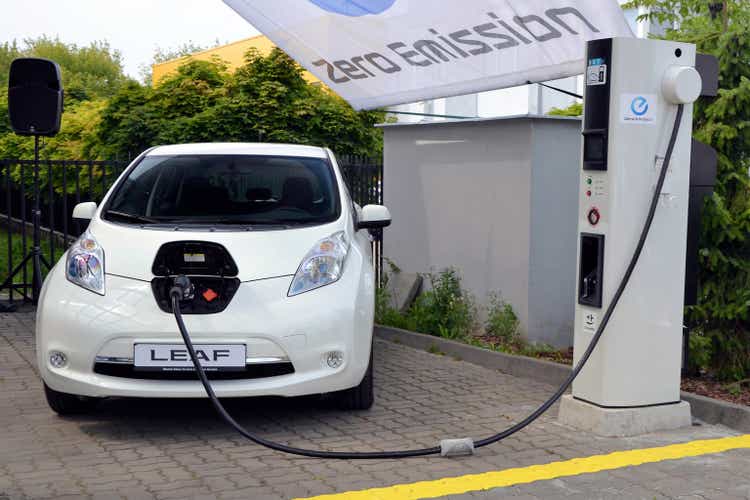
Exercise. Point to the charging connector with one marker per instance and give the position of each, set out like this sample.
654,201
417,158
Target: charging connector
183,288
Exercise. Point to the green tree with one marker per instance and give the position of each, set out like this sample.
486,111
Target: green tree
266,99
90,75
88,72
575,109
723,313
8,52
163,55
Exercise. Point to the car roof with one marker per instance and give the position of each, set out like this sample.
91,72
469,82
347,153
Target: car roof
239,148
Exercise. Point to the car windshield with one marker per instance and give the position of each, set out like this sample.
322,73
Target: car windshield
226,189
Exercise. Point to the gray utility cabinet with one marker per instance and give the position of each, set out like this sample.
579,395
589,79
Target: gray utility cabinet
498,200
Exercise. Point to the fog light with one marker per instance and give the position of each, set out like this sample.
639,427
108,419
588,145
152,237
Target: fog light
334,359
57,359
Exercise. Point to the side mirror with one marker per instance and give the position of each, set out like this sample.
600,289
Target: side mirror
84,211
374,217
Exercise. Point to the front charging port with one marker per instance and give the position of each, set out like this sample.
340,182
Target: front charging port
204,271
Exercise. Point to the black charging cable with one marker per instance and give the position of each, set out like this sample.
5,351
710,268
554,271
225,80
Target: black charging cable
182,287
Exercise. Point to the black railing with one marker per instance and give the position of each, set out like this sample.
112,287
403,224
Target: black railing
64,183
364,177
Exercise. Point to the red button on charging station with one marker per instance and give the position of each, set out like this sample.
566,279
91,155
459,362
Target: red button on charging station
594,216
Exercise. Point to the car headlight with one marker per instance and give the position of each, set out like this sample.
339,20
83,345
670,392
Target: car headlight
322,265
85,264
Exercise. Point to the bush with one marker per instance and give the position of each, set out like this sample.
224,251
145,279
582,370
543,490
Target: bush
502,321
385,313
699,346
575,109
445,310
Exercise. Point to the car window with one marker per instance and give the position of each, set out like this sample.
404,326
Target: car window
228,189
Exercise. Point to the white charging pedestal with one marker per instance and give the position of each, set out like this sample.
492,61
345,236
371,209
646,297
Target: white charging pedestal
631,383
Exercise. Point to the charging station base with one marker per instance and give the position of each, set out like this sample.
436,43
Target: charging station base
622,422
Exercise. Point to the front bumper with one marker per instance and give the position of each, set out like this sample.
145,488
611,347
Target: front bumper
301,330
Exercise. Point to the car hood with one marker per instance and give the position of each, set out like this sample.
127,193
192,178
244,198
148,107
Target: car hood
129,251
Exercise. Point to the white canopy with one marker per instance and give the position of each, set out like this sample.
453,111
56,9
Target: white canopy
381,52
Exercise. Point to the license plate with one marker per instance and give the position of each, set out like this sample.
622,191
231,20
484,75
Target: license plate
175,357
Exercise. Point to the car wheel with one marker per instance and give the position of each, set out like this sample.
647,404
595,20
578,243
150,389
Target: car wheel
68,404
360,397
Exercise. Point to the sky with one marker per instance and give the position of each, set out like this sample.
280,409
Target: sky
134,27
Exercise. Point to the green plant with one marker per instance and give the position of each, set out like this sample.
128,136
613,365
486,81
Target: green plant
267,99
385,313
735,388
575,109
700,349
502,321
446,310
433,349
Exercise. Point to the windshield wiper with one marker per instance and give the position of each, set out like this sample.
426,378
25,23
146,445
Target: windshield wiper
241,222
132,217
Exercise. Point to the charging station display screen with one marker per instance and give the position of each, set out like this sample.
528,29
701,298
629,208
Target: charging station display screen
594,148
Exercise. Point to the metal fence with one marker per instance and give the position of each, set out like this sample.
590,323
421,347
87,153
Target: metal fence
364,178
64,183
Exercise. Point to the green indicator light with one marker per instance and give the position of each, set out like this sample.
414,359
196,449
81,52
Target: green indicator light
589,181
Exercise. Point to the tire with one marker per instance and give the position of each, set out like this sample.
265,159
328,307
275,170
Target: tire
360,397
68,404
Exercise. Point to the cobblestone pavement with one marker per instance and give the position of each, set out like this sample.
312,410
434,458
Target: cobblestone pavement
179,449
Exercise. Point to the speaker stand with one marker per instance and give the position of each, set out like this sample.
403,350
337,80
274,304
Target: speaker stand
35,255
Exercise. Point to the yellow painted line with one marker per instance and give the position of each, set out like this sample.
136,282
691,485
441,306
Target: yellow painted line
522,475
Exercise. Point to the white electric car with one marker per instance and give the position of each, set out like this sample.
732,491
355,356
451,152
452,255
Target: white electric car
280,259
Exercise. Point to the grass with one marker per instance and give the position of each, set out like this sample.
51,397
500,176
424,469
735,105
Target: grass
434,349
520,347
18,255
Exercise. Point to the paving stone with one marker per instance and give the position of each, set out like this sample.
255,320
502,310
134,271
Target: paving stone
142,449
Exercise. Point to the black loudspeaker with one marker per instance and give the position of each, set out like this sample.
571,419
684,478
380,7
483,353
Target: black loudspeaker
35,96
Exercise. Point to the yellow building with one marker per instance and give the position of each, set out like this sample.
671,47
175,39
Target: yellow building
233,54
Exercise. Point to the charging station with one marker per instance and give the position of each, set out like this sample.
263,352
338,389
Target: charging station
631,383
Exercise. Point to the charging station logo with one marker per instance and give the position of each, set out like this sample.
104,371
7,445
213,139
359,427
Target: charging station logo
639,106
639,109
354,8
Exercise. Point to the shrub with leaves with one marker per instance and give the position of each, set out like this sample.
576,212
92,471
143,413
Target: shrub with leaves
385,312
446,309
575,109
502,321
266,99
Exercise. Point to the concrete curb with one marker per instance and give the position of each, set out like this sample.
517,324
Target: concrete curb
714,411
711,411
519,366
